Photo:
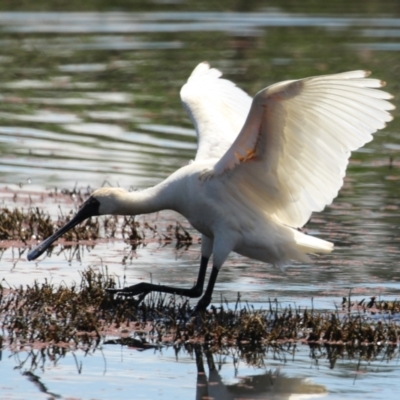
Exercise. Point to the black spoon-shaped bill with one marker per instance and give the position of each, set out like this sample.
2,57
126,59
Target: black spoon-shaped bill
89,209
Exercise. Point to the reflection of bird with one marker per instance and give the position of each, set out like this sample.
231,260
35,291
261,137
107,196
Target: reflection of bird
262,167
271,385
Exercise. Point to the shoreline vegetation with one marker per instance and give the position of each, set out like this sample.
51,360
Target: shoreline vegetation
85,316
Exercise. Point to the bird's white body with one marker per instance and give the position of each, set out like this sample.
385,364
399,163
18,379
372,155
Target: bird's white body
262,167
225,216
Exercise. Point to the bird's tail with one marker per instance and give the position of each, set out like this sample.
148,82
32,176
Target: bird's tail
310,244
301,246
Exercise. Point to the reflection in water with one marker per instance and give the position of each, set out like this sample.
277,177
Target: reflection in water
273,385
274,378
37,382
250,23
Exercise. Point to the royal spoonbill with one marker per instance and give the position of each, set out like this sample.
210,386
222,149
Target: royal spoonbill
263,165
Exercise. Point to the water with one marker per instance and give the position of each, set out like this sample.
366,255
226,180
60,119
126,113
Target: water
168,374
93,98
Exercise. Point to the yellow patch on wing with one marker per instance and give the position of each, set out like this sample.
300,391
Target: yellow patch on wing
250,154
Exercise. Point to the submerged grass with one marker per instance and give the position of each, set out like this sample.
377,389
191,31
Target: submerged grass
83,315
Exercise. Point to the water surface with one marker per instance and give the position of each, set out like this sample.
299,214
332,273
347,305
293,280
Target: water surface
88,99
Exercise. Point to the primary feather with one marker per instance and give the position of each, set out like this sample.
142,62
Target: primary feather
217,109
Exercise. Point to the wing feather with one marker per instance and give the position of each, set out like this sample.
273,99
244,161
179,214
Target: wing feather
293,150
217,108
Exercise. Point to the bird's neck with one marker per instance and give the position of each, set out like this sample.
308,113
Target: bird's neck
144,201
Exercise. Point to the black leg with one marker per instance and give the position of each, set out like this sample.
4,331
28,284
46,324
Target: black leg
205,301
145,288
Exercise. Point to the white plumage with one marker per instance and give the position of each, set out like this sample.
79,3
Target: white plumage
262,167
296,139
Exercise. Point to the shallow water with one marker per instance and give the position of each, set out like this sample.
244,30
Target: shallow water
89,99
169,374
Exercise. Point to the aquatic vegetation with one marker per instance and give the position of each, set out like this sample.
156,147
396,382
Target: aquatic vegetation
84,315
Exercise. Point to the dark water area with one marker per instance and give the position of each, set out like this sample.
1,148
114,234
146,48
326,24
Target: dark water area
91,97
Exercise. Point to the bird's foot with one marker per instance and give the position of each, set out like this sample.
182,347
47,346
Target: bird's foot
202,305
139,289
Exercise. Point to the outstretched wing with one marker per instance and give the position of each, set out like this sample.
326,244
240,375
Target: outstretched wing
292,152
217,108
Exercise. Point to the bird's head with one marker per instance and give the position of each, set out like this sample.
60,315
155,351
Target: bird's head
109,200
102,201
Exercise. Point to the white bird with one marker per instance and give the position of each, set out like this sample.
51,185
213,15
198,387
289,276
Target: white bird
262,167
